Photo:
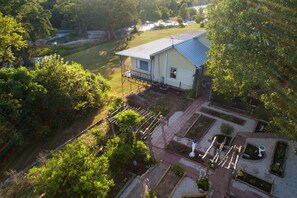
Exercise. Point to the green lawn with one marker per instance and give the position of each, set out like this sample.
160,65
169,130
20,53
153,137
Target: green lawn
102,58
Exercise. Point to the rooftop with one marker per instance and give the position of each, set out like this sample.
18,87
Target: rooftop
147,50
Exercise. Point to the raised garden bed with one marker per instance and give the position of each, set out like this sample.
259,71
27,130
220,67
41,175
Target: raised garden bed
164,89
221,138
200,127
255,182
184,151
167,183
183,130
251,152
279,158
224,116
260,128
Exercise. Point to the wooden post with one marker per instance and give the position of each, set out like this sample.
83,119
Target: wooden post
163,123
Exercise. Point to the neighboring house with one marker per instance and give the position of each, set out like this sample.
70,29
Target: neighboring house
172,60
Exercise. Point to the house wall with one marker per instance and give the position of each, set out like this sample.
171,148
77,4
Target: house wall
204,40
134,63
172,58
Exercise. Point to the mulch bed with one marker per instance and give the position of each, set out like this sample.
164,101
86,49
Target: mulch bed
184,151
256,182
187,125
167,184
251,153
200,127
224,116
279,158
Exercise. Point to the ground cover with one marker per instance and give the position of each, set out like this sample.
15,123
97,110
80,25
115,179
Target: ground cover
279,157
255,181
200,127
167,183
224,116
251,152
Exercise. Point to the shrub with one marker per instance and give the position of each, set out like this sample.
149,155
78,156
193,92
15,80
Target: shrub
203,183
178,170
227,128
116,103
151,194
160,107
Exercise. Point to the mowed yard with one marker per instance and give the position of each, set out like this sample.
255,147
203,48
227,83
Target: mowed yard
102,59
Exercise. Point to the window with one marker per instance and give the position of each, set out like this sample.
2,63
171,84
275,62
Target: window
173,72
143,65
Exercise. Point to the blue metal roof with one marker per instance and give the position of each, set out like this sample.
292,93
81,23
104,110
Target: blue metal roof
194,51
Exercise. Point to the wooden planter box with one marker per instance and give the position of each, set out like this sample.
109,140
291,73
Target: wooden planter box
278,163
168,183
255,182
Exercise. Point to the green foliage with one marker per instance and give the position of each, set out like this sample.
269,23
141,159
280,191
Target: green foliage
178,170
227,128
203,183
183,11
73,172
35,101
264,51
160,107
116,104
128,119
11,38
151,194
180,21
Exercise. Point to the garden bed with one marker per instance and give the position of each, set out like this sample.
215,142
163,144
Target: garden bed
200,127
279,158
260,128
251,153
223,116
255,182
167,183
184,151
221,138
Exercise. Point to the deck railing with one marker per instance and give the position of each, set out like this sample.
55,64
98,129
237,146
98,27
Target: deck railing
138,75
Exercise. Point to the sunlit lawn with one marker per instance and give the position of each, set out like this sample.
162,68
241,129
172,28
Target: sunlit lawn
102,58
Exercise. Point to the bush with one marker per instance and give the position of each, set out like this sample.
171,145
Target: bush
227,129
160,107
203,183
178,170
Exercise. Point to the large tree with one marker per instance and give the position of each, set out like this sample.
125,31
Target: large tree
253,52
73,172
11,39
33,102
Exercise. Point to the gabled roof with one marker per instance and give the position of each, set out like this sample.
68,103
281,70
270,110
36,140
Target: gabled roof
193,50
147,50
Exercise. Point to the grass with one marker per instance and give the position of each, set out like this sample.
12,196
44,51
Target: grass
102,59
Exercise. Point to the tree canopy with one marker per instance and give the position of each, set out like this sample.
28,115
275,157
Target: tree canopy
253,53
49,96
73,172
11,38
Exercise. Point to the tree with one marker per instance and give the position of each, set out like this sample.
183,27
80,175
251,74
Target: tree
71,90
34,102
149,10
73,172
126,121
183,11
11,39
253,53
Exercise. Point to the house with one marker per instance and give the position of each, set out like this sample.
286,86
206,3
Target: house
172,61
